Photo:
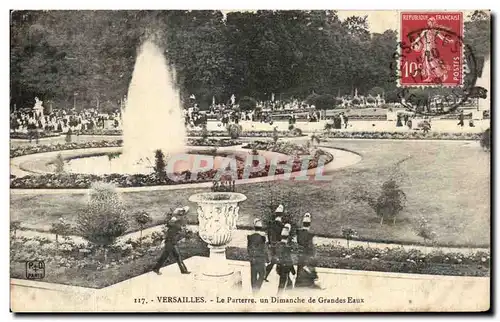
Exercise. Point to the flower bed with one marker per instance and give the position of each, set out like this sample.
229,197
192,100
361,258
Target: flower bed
27,136
83,181
411,135
279,147
392,260
66,258
28,149
222,132
82,264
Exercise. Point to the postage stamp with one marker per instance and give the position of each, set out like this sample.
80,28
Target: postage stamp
431,49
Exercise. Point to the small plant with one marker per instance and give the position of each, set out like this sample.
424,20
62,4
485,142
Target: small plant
234,131
275,135
59,163
424,230
204,132
160,165
348,234
388,204
142,219
60,228
103,220
485,140
14,227
68,137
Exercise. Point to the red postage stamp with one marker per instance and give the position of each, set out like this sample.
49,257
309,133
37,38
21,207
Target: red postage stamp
431,49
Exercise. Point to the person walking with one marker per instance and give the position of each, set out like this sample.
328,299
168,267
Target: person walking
273,238
285,262
258,255
306,271
174,235
461,119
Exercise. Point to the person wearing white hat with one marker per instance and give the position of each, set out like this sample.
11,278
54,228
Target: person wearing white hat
285,262
173,236
306,272
273,237
279,209
258,255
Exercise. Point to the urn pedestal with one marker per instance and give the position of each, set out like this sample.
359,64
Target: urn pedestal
217,217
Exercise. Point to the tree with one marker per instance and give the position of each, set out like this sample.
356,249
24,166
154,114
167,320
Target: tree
324,102
142,219
59,163
60,228
276,136
348,234
386,204
247,103
234,131
485,140
103,220
424,230
68,139
160,166
14,227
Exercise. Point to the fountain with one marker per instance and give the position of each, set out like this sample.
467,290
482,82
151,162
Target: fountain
485,82
152,118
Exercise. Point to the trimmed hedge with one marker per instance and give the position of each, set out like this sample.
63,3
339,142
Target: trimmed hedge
27,136
410,135
395,260
31,149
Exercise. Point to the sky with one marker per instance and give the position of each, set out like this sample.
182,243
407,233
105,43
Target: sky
378,20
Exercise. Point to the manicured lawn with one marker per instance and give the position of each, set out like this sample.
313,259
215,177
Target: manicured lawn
447,182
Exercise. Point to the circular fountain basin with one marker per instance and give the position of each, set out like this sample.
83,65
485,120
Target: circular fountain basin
42,163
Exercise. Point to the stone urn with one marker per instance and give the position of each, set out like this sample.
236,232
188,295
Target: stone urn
217,217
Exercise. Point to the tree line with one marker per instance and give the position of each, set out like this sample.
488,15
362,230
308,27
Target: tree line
86,58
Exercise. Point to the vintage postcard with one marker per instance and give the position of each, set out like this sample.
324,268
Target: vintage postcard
250,161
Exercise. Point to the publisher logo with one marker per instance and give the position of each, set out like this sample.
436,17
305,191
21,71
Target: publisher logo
35,270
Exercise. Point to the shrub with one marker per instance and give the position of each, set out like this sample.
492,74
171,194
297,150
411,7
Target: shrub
60,228
142,219
389,202
296,131
59,163
247,103
68,136
356,101
14,227
204,132
103,220
424,230
325,102
348,234
234,131
160,165
485,140
275,135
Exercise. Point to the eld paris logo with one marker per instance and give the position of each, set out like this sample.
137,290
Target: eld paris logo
35,270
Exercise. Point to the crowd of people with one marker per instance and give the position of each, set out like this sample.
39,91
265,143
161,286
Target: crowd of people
28,120
267,249
276,250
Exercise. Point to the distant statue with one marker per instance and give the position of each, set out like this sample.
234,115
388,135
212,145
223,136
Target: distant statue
38,108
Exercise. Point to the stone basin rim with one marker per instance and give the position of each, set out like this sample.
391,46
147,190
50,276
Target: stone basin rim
206,197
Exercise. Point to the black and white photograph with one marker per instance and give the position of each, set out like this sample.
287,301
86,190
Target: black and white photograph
250,160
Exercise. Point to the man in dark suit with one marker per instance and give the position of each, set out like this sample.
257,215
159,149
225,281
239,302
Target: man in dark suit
285,262
273,237
257,252
306,272
174,234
